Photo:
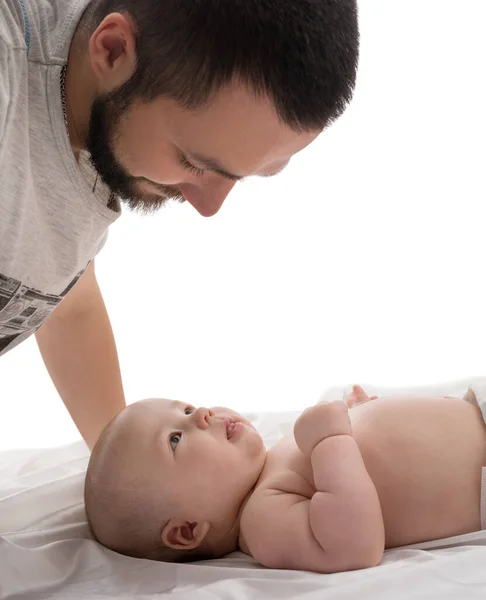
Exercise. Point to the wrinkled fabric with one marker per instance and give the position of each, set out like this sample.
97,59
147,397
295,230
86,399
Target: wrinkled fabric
46,550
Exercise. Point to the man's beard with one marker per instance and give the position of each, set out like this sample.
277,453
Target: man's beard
105,115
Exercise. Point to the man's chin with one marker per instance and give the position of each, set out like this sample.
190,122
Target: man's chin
144,206
148,205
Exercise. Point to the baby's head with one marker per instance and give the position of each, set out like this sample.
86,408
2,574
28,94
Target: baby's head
168,481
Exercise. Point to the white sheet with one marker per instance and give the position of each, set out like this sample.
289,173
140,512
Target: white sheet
46,551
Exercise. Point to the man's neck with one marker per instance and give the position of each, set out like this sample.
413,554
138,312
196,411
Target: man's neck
80,92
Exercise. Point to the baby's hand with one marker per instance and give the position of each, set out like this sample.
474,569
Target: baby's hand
319,422
357,397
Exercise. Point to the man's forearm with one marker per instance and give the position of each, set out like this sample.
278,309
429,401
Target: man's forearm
79,351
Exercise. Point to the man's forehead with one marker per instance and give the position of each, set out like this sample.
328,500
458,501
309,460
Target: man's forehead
242,132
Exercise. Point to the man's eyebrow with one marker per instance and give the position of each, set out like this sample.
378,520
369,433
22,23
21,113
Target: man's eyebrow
213,165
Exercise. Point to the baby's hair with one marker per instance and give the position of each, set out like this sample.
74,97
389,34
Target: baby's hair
127,507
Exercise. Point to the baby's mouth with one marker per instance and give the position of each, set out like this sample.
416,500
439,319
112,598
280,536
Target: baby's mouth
230,427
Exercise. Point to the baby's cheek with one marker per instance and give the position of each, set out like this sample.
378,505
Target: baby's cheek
224,411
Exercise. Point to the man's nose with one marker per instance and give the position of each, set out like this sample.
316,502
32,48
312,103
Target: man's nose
201,417
209,200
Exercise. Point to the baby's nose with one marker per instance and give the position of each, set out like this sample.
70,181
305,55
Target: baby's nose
201,416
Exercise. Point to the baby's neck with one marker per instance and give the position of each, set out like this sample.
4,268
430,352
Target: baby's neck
234,539
227,537
242,545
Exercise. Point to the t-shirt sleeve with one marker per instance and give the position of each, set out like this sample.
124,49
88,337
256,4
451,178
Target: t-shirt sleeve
102,242
4,88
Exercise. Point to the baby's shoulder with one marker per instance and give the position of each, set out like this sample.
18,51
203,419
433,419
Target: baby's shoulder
286,470
269,520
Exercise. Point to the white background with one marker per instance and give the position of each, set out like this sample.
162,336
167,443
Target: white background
364,262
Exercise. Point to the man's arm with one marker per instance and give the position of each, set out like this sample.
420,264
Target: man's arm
79,351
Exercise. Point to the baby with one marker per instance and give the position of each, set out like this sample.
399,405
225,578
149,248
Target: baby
168,481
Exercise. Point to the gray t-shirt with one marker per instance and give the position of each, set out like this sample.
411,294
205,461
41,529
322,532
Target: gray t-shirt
52,224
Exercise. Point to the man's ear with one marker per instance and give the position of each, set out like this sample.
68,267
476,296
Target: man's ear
113,51
184,535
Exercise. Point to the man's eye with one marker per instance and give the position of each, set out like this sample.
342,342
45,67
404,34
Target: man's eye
190,167
189,410
174,439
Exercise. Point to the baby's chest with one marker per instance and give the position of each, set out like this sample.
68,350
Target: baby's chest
288,470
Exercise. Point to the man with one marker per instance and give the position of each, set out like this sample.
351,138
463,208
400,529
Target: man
140,101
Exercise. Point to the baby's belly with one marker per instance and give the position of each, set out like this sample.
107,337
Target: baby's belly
424,457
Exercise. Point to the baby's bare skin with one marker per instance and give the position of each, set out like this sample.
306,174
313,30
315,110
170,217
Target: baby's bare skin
423,454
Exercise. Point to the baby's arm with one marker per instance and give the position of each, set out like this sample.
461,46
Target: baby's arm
341,526
358,397
345,513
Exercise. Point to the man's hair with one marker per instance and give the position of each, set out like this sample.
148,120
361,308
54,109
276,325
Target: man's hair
302,54
127,507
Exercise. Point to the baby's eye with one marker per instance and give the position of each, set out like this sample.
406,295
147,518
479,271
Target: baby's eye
189,410
174,439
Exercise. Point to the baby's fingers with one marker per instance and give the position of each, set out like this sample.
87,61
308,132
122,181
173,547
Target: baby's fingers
357,397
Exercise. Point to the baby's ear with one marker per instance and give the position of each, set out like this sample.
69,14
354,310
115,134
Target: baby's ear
184,535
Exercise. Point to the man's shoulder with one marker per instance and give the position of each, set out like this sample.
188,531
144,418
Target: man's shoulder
42,29
12,24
